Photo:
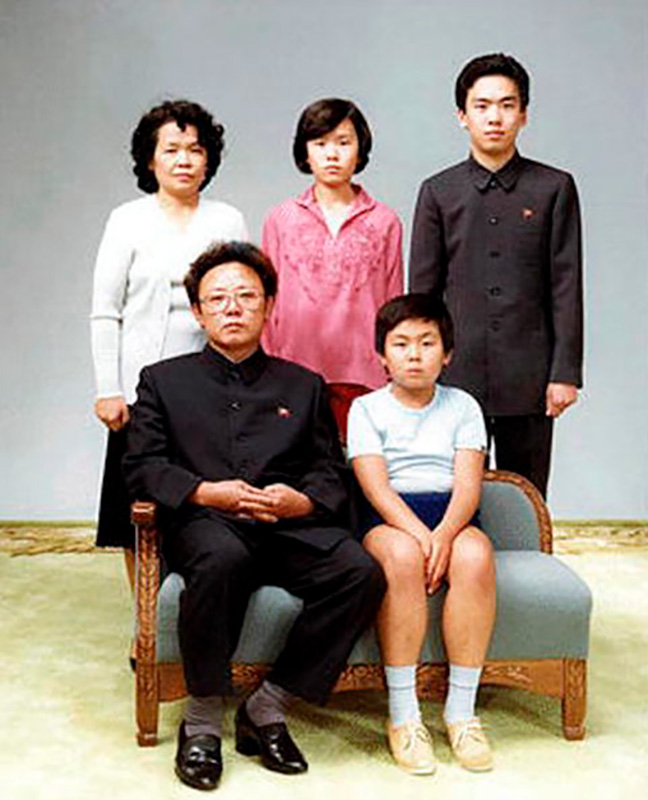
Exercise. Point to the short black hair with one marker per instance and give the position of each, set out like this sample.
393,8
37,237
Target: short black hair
492,64
323,116
183,113
224,253
428,307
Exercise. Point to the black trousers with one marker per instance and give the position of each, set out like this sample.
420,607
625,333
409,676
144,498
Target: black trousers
114,528
523,445
223,561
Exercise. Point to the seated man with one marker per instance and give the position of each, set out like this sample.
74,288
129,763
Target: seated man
241,452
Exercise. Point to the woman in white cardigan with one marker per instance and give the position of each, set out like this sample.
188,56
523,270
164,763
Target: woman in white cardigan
140,311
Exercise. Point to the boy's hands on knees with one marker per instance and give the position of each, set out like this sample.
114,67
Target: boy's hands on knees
438,561
424,538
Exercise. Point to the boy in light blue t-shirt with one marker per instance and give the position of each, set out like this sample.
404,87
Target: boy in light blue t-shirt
417,449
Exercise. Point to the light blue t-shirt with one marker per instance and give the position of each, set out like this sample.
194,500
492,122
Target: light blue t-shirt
418,444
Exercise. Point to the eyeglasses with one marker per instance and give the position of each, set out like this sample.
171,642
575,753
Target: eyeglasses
247,299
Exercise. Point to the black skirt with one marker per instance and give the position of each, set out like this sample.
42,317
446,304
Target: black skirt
114,528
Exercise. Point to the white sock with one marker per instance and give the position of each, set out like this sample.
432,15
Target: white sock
462,693
403,702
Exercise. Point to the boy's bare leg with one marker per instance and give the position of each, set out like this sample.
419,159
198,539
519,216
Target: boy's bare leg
469,608
402,625
467,624
403,616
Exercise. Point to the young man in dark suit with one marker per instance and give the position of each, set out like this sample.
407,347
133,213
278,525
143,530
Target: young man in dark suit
240,451
499,236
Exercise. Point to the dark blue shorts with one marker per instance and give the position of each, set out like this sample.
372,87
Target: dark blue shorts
429,507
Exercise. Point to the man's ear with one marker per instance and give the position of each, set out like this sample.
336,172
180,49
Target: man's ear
461,116
383,361
269,306
195,310
447,358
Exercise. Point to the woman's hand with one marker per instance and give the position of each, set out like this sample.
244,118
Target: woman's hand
112,411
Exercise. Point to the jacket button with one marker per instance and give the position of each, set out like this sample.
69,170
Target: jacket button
493,220
495,325
235,405
495,291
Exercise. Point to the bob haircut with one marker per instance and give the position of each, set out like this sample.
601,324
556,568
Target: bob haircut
428,307
493,64
183,113
225,253
323,116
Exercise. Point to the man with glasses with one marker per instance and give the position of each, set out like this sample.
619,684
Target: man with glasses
241,452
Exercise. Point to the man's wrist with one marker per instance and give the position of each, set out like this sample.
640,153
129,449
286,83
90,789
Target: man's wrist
203,494
307,506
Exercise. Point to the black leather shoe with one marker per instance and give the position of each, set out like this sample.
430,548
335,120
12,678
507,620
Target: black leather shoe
198,760
272,742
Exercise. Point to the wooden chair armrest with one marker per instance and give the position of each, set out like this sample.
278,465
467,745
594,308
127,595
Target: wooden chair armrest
143,513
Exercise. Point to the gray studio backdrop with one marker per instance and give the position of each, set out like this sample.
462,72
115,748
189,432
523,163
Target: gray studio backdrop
76,74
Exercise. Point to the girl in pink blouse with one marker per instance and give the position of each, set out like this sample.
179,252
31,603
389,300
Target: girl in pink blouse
337,252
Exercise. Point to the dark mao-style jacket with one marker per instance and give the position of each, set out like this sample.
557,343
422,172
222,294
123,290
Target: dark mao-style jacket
201,417
504,248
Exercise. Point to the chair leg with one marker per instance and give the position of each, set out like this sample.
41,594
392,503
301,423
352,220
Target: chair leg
147,691
147,703
574,699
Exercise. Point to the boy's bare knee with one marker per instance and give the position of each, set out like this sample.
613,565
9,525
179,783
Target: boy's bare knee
397,551
472,556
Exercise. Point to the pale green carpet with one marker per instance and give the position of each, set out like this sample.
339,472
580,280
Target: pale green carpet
66,706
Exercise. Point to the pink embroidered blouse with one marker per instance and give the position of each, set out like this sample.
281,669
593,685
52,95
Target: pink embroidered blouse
330,287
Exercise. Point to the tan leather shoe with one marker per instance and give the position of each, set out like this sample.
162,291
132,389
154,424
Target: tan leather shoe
411,746
470,745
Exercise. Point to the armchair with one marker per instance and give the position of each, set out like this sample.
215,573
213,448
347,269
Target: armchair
540,641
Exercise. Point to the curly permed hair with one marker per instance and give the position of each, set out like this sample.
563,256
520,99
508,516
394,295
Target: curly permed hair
183,113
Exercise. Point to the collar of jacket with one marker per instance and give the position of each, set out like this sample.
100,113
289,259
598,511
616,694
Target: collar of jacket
361,203
224,370
506,176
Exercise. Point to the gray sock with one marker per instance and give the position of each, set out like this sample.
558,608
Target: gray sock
463,683
403,702
269,704
204,715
